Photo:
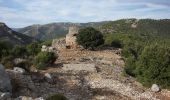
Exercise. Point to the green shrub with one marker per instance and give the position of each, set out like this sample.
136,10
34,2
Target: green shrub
43,59
130,66
47,43
57,97
116,44
8,62
90,38
19,51
4,49
154,65
33,48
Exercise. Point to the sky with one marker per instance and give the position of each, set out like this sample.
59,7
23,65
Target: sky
21,13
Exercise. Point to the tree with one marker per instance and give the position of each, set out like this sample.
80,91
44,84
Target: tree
90,38
154,65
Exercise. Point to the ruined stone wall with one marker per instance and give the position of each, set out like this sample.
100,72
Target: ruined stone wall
71,38
59,44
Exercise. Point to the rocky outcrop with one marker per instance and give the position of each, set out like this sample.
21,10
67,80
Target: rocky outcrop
59,44
22,84
5,83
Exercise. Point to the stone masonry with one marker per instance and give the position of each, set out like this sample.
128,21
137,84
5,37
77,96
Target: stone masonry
71,38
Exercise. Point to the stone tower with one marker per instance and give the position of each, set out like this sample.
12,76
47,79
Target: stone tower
71,37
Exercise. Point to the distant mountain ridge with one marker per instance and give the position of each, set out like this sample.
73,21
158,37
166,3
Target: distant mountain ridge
142,26
52,30
12,37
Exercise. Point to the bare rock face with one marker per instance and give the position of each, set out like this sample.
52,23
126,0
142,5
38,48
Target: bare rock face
155,88
22,84
5,83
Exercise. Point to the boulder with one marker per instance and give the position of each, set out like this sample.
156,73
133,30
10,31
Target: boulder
48,77
51,49
29,98
19,70
44,48
5,83
19,60
5,96
155,88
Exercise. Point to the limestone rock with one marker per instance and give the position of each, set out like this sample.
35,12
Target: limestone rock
51,49
48,77
5,83
29,98
24,83
155,88
5,96
19,70
44,48
19,60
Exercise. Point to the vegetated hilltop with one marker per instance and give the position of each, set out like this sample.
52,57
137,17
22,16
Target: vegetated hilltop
12,37
145,47
142,26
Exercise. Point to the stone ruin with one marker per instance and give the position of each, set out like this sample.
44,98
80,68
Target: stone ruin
71,38
69,42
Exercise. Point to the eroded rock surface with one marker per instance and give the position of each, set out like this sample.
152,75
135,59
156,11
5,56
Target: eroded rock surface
5,83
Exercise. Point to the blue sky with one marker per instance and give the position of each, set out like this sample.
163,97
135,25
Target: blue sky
21,13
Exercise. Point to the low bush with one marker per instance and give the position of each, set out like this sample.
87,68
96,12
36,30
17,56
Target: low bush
8,62
43,59
90,38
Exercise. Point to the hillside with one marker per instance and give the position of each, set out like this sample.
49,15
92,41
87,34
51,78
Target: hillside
12,37
53,30
142,26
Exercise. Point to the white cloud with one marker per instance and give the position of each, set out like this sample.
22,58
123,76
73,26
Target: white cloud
29,12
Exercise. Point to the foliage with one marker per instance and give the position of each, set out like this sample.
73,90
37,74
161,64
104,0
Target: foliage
43,59
19,51
90,38
28,52
57,97
154,64
8,62
47,43
33,48
143,26
147,57
4,49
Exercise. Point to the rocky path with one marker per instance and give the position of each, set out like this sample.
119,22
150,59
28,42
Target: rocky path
99,77
108,82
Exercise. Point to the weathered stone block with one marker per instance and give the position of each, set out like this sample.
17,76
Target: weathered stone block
79,67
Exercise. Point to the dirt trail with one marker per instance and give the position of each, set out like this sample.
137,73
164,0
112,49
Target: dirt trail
107,83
